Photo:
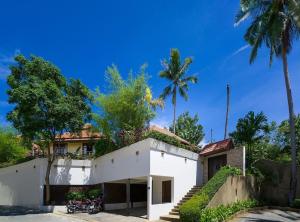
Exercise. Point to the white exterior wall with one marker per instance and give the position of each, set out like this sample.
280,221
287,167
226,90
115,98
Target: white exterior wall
20,184
71,172
126,163
180,165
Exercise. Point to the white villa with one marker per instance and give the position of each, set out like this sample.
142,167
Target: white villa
150,174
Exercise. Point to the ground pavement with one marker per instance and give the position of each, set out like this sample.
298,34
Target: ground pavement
268,215
22,214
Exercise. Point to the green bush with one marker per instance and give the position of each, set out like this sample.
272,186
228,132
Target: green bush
190,211
222,213
170,140
296,203
11,148
76,195
94,193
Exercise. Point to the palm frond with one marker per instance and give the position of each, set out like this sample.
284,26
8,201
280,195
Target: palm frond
185,65
183,93
166,92
166,74
192,79
294,8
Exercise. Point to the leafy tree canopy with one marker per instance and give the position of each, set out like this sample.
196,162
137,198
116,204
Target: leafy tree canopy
45,103
128,104
188,128
283,135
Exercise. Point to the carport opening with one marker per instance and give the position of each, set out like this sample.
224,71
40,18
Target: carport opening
126,197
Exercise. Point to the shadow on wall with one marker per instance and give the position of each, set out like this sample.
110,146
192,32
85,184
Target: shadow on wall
62,173
276,185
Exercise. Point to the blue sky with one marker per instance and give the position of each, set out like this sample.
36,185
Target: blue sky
84,37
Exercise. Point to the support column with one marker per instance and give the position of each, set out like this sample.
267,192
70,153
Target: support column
244,161
149,195
128,193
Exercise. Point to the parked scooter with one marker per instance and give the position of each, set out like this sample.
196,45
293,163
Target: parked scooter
77,205
95,206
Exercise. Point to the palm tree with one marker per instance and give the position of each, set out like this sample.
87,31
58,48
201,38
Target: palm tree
275,23
249,131
174,71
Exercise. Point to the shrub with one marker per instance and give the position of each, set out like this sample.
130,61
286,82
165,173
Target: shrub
296,203
170,140
76,195
94,193
11,147
190,211
222,213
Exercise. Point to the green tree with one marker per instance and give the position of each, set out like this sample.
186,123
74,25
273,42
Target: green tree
126,108
174,71
45,104
11,147
284,133
250,130
188,128
275,24
283,136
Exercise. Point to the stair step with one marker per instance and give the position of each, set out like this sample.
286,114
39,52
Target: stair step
174,214
175,210
172,218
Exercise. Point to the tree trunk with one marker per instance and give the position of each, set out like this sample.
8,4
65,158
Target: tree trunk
227,111
293,184
47,176
174,114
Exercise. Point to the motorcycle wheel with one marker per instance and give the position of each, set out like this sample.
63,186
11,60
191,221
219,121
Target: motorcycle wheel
90,210
70,210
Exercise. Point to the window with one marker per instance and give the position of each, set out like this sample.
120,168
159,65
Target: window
87,149
61,149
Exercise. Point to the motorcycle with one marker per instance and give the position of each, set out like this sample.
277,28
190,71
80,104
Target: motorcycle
95,206
77,205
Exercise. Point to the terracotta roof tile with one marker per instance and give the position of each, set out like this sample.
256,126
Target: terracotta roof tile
85,134
217,147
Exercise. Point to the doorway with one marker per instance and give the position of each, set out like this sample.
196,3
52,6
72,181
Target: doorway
215,163
166,191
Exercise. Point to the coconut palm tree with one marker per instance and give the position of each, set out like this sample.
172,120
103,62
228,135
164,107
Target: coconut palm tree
275,23
174,71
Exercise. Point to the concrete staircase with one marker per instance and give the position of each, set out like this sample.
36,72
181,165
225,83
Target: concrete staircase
174,214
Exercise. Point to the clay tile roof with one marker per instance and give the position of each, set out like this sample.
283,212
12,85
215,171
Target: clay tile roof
86,134
168,133
217,147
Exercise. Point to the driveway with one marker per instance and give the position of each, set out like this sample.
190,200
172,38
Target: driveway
132,215
268,215
22,214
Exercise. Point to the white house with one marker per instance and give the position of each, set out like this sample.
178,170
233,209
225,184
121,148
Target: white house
150,174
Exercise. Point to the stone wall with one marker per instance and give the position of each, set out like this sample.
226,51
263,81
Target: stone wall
276,185
235,158
236,188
